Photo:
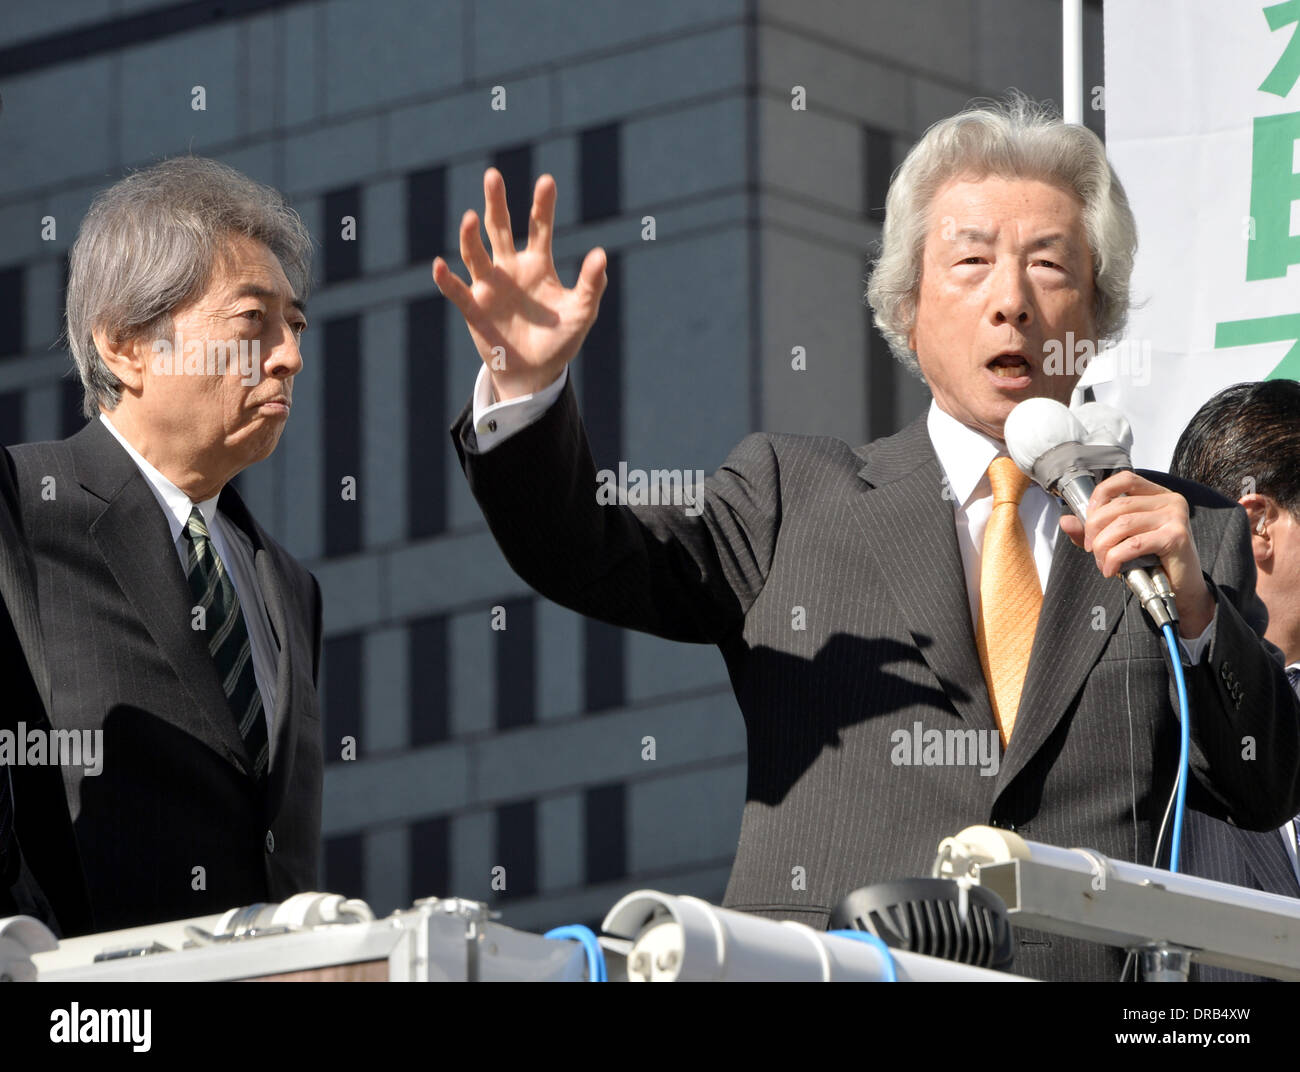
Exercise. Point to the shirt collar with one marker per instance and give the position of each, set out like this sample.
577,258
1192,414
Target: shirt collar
175,503
964,454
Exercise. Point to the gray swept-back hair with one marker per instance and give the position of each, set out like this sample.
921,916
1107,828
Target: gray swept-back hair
1015,139
149,245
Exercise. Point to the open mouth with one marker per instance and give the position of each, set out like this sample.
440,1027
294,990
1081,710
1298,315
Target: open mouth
1010,366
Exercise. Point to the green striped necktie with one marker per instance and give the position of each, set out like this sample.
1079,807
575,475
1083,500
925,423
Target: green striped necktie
228,640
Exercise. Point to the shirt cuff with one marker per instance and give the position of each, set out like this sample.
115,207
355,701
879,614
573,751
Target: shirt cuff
495,422
1194,650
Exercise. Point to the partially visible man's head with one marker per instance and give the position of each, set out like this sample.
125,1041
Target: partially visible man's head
189,251
1245,444
1007,239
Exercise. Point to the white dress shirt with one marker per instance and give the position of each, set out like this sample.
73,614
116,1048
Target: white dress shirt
964,456
234,549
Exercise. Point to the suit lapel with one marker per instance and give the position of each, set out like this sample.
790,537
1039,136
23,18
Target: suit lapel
1081,609
1270,862
909,529
18,590
134,538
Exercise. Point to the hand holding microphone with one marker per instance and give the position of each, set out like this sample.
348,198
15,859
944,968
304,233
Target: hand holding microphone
1133,527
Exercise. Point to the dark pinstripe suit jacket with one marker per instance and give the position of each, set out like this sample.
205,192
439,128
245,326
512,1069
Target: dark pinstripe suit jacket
45,879
173,795
864,541
1256,859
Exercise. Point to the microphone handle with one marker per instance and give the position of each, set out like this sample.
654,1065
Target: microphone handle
1144,575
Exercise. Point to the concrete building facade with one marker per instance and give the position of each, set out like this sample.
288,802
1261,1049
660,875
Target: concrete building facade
732,156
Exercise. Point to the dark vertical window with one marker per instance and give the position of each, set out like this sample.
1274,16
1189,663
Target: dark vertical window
600,390
342,671
600,179
600,374
429,842
65,270
606,833
516,848
11,417
71,395
603,669
12,305
342,347
344,864
426,215
426,400
877,167
342,254
516,167
427,710
515,651
882,383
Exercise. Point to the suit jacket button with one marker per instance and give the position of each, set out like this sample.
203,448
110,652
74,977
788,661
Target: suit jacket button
270,841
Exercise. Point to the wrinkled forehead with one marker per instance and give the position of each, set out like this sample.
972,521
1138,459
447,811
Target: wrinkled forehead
982,210
245,267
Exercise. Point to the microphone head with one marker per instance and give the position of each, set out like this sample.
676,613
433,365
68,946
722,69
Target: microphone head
1105,425
1037,425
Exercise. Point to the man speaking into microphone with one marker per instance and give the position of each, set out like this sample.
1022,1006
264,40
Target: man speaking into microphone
865,598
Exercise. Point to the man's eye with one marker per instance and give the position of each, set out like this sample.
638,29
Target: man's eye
254,313
1049,264
299,328
971,260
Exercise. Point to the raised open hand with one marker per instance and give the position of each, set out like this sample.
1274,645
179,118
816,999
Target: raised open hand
526,324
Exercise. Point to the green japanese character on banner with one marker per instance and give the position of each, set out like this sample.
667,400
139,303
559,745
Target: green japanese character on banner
1282,78
1273,186
1261,330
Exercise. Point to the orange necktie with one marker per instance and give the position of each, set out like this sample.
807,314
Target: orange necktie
1010,596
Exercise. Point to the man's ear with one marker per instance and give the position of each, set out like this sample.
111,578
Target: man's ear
1262,512
125,359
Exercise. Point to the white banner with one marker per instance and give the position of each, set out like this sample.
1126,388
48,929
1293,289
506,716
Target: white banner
1202,103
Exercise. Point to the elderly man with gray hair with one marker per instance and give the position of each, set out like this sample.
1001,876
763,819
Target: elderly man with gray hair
175,628
914,647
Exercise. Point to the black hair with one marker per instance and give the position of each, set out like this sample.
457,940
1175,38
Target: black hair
1247,437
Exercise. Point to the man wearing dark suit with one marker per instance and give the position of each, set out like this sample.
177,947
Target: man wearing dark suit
173,622
866,599
40,869
1245,444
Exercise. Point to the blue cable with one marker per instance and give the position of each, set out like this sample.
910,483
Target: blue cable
587,938
1184,744
891,969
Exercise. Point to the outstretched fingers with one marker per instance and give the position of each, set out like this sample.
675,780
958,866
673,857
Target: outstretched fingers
591,277
496,216
472,251
541,220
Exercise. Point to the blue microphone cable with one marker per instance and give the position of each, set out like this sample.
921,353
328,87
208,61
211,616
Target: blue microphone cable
586,937
1184,750
891,969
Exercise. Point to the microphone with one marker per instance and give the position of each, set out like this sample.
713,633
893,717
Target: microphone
1061,450
1105,424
